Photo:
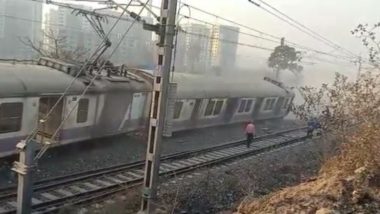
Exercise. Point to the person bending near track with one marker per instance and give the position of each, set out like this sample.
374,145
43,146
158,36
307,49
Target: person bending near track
250,131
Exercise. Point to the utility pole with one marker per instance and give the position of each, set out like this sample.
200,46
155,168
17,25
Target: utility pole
277,70
159,97
24,170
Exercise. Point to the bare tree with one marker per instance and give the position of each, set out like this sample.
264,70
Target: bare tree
350,111
369,40
55,45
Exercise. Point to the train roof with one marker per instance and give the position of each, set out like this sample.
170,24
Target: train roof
192,86
19,79
29,79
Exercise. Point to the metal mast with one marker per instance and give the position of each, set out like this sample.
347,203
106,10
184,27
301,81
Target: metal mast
158,106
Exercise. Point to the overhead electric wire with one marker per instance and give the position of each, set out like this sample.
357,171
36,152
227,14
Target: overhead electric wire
231,21
232,30
260,47
48,24
328,61
250,28
46,117
292,24
307,28
258,31
301,27
270,40
333,45
65,5
227,41
266,34
46,146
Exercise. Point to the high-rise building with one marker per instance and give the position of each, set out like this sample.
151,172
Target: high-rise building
193,47
223,47
19,21
72,32
201,49
135,50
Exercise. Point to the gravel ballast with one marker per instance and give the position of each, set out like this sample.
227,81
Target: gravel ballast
128,148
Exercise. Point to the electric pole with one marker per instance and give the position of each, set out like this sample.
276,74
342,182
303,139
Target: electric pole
277,70
24,170
166,33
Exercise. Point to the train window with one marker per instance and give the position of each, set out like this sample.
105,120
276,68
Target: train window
177,109
218,107
286,103
272,103
245,105
269,104
82,113
209,107
10,117
248,106
242,106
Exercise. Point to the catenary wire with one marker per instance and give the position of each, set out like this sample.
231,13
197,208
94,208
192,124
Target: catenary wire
46,117
46,146
305,27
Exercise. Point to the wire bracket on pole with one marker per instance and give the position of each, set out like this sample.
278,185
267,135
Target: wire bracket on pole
24,168
147,192
161,81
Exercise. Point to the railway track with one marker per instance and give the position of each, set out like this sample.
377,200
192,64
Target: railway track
52,194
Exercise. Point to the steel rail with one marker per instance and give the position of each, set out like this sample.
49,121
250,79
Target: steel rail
10,191
87,186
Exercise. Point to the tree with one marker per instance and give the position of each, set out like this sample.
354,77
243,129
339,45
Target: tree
370,41
285,58
350,111
55,46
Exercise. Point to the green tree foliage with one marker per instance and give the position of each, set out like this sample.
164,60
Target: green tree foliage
285,58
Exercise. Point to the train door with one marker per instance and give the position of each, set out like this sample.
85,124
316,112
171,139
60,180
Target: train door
195,113
134,114
277,109
48,127
230,109
138,106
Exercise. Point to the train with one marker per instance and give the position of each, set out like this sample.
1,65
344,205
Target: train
118,102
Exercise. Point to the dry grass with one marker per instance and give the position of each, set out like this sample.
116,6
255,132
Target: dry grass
348,182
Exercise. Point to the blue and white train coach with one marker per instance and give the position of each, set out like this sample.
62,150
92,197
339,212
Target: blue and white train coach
116,104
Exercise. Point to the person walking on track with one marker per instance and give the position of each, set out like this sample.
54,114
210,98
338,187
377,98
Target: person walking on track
250,131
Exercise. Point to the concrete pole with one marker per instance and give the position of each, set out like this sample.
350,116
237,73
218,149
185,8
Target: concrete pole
158,107
24,170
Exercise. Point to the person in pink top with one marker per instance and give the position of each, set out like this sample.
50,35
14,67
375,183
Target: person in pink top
250,131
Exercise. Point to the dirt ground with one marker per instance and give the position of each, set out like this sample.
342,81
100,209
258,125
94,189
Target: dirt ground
222,189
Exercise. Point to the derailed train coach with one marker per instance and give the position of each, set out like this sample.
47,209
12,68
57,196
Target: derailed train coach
198,101
117,103
112,105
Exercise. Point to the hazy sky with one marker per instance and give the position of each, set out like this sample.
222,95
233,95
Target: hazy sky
333,19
